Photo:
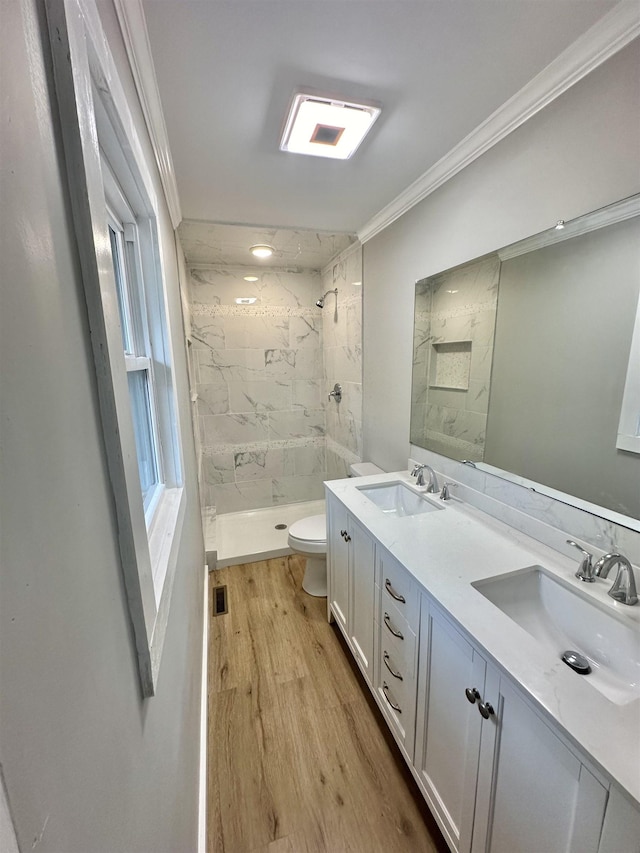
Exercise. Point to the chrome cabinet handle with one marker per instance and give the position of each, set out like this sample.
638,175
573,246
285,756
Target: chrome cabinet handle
472,695
392,671
385,688
486,710
393,593
387,622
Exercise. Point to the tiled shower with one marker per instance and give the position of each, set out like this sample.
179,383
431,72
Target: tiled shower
261,376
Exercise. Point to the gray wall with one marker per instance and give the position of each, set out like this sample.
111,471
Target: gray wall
580,153
89,766
565,320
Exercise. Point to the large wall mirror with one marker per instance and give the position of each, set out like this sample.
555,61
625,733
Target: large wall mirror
527,360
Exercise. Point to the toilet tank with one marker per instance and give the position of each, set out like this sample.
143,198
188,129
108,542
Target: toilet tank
364,469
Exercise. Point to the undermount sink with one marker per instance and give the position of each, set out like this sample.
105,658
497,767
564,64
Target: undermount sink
397,499
562,618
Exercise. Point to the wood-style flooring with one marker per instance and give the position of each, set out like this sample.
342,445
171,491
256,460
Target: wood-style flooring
299,761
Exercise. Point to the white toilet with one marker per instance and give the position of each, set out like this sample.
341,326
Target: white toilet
309,538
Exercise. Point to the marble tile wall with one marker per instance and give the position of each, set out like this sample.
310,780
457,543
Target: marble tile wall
342,330
457,309
260,385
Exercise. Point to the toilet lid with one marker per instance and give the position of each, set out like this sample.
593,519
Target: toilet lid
312,529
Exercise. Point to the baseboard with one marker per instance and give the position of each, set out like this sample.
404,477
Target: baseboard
202,808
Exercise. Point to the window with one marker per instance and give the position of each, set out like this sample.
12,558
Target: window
115,216
629,426
135,341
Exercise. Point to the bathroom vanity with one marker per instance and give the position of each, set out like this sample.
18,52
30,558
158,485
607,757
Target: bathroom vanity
512,749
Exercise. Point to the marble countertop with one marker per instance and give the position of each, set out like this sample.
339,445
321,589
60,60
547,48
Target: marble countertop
446,551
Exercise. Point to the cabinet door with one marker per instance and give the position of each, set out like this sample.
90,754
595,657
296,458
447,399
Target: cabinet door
534,794
338,562
448,726
361,596
621,830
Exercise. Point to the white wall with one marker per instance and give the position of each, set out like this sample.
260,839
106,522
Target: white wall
578,154
88,765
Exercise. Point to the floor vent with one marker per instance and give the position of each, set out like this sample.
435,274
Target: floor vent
220,604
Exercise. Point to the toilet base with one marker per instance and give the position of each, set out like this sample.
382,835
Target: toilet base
315,577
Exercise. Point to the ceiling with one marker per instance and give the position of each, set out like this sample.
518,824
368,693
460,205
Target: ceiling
227,70
219,244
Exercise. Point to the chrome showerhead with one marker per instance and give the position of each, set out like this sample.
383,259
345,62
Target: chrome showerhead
320,302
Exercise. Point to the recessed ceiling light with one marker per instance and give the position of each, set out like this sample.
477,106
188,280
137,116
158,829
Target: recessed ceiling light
251,278
246,300
262,250
324,127
356,283
452,291
560,225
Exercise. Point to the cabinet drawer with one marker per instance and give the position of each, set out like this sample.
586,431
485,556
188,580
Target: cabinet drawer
396,685
401,648
399,679
398,589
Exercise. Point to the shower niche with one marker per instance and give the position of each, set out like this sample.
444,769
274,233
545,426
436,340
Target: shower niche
454,329
450,365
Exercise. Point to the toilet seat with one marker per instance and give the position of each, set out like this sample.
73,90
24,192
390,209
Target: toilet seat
309,535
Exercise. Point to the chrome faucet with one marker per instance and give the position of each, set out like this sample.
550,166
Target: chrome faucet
445,495
586,570
623,588
418,470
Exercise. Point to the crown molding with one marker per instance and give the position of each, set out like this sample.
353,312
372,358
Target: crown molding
605,38
341,256
136,40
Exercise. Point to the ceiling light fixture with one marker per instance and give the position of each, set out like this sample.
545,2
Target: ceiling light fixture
559,225
262,250
324,127
246,300
251,278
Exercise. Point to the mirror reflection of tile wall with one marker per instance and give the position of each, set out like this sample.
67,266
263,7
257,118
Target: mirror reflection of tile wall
455,317
269,435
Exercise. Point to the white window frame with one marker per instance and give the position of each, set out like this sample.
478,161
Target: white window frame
629,427
98,128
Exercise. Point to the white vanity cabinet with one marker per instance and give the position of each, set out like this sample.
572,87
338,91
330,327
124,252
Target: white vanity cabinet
351,582
497,776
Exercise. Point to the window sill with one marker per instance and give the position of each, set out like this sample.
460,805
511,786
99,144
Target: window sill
630,443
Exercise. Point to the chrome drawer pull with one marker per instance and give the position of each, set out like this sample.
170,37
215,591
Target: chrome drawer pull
392,671
393,593
395,707
395,633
